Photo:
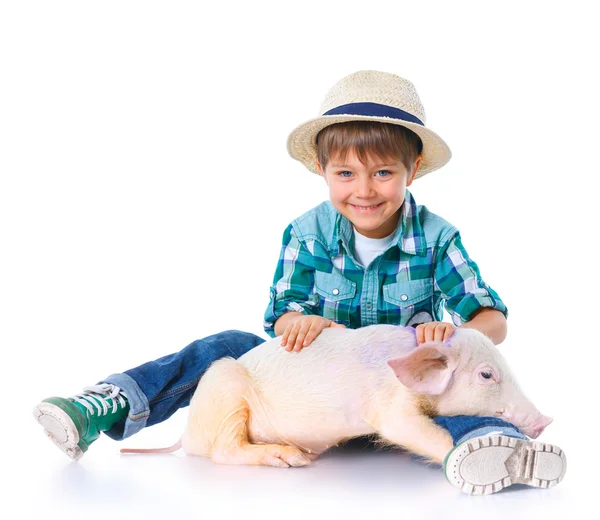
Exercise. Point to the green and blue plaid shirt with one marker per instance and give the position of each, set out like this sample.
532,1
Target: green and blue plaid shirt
425,267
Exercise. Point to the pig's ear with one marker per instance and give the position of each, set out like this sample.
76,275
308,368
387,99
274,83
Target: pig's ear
426,370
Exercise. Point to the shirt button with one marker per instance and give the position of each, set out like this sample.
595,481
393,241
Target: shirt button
404,297
336,291
368,306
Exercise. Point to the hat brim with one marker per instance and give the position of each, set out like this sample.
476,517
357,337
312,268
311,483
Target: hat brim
302,146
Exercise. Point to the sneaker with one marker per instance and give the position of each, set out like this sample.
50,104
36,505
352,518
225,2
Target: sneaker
74,423
487,464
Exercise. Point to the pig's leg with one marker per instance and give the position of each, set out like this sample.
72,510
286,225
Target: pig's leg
417,433
218,423
261,455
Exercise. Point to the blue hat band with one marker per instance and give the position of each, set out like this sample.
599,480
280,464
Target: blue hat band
373,110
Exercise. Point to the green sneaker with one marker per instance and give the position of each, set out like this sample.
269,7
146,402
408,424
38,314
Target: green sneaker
486,464
74,423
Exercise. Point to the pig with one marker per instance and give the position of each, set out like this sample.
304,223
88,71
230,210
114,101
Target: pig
278,408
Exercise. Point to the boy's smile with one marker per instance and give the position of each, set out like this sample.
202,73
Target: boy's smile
366,209
368,195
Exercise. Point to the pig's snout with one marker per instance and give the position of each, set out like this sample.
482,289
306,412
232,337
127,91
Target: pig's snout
535,429
530,425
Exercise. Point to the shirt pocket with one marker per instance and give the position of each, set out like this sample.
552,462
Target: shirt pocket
336,294
333,286
417,293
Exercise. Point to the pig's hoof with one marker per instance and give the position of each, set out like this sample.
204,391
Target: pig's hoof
487,464
263,455
284,457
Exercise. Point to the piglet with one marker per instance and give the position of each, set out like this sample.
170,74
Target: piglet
279,408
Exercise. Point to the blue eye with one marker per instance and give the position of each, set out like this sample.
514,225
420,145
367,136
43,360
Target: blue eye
343,174
386,173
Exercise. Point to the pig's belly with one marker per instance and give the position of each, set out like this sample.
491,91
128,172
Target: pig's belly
303,401
310,432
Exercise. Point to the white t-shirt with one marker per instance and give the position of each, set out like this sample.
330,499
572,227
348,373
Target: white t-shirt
367,249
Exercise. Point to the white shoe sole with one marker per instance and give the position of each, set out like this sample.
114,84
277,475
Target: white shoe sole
59,428
485,465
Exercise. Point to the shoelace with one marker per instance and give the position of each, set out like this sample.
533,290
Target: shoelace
98,394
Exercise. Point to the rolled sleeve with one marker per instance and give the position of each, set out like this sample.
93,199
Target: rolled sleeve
293,283
458,282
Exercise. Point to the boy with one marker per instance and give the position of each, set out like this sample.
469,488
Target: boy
369,255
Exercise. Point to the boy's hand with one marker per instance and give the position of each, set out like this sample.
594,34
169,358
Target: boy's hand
303,330
434,331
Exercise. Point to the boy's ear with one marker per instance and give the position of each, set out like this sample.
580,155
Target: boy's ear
320,170
411,177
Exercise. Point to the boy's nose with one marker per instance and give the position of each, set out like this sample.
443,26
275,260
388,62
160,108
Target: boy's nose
364,189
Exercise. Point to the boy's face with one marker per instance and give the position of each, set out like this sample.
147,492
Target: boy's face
368,195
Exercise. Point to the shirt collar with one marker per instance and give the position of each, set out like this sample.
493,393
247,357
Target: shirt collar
409,235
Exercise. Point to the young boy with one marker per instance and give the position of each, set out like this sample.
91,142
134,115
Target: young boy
369,255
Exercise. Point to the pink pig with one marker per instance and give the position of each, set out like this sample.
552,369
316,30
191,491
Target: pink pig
280,408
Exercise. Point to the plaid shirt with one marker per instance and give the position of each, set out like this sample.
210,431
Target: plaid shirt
425,267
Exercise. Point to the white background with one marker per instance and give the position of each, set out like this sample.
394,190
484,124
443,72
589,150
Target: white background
145,186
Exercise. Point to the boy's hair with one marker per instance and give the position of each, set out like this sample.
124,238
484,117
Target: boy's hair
368,139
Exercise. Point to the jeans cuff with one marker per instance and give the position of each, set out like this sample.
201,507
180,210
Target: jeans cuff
139,408
487,430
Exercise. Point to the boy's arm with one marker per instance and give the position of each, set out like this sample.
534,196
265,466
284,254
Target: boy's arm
292,292
469,300
489,321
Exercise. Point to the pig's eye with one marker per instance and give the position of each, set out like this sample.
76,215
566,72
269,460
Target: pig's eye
487,375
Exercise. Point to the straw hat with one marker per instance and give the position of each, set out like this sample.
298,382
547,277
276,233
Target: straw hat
369,95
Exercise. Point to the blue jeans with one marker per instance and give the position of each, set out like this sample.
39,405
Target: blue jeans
157,389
